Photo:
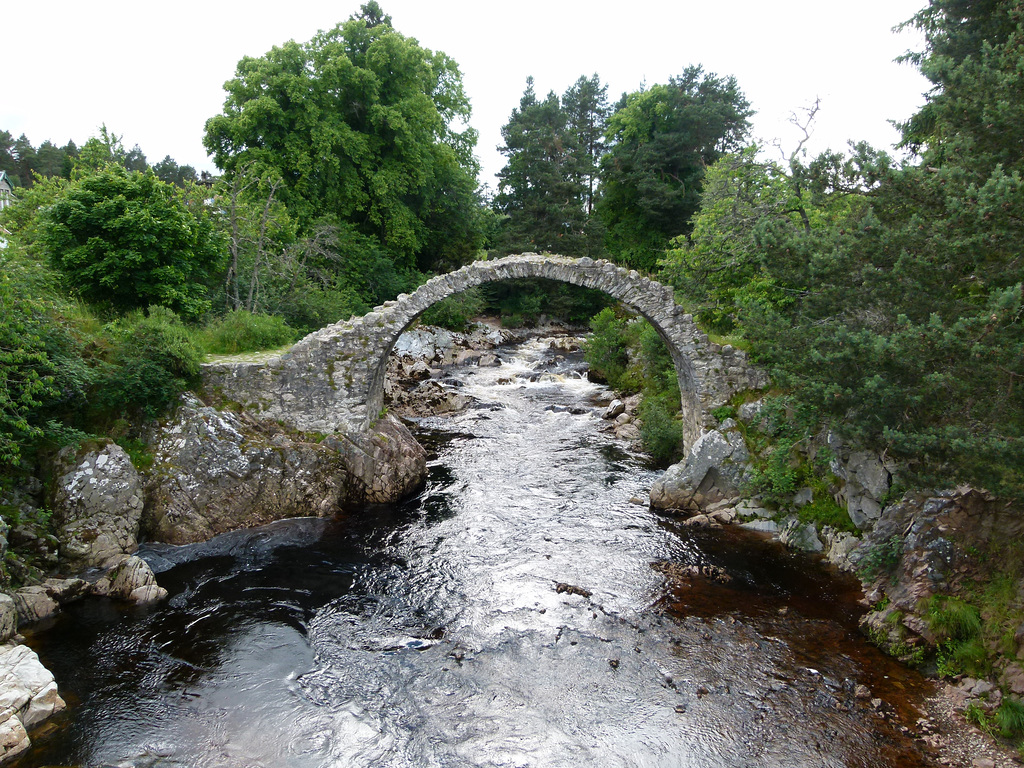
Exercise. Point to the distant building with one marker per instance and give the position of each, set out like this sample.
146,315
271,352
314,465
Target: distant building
6,191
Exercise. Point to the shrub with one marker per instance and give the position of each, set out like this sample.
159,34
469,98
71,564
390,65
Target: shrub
952,619
660,432
241,331
881,558
455,312
1010,718
154,360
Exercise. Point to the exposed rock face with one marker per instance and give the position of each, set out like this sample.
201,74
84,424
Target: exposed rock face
922,546
216,471
28,695
712,472
97,505
866,481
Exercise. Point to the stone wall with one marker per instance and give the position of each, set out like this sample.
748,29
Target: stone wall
333,380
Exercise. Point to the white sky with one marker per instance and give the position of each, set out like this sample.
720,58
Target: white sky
153,72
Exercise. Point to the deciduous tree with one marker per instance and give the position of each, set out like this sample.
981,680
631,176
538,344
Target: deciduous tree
661,140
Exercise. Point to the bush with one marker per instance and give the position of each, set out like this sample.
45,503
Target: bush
154,360
952,619
1010,718
660,431
126,239
241,331
882,558
606,350
455,312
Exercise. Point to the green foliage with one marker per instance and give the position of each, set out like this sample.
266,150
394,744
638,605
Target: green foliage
881,558
1009,718
138,451
661,141
823,511
455,312
963,657
606,349
975,713
241,331
154,359
630,356
724,412
128,240
525,302
958,626
364,127
546,189
952,619
26,373
660,431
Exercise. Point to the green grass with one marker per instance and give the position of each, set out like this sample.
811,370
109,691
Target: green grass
240,331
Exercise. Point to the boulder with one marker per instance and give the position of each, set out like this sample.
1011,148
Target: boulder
28,696
615,408
8,617
216,471
33,604
713,471
468,357
802,536
13,738
97,504
130,579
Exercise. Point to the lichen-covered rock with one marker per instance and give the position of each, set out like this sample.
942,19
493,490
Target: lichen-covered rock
839,546
97,505
8,617
13,738
866,480
130,579
28,696
385,465
34,604
217,471
713,471
803,536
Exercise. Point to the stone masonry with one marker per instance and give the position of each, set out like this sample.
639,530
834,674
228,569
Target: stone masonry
333,379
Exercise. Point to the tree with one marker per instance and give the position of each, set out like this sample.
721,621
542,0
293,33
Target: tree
586,114
536,189
363,126
179,175
661,140
903,326
127,240
546,188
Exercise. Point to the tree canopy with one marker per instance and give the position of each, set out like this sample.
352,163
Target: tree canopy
547,186
887,297
364,127
128,240
661,140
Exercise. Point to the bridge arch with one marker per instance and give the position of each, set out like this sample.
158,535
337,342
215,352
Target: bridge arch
333,379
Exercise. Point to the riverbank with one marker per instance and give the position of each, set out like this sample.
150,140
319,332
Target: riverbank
940,725
431,365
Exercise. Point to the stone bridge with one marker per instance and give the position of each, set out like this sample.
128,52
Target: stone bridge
333,379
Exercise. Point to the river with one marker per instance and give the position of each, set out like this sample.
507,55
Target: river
521,611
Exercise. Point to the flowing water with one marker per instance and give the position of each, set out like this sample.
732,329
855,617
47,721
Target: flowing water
522,611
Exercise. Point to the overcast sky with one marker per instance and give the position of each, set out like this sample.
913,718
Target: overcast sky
154,72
